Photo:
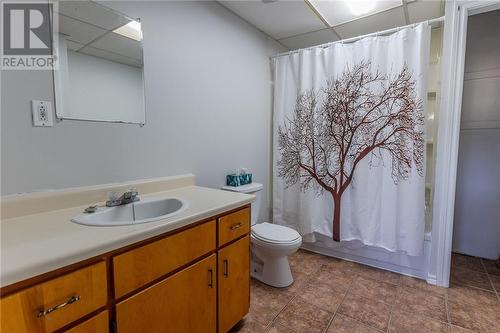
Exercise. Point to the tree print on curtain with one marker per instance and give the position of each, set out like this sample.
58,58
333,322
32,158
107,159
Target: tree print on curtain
361,114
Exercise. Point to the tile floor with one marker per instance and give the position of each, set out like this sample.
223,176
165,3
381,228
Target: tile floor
331,295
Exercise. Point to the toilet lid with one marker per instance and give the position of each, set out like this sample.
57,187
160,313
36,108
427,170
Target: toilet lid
274,233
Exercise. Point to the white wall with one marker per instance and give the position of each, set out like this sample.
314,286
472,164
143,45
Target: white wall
476,227
208,109
102,89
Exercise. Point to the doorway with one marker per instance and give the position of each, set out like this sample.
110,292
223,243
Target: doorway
476,226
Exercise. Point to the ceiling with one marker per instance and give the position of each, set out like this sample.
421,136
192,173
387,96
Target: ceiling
88,28
303,23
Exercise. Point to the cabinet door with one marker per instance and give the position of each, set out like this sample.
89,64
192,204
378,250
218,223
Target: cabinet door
184,302
96,324
234,283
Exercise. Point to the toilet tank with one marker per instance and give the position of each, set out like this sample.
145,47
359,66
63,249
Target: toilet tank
253,188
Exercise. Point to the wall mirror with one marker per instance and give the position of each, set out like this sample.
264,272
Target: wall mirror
100,75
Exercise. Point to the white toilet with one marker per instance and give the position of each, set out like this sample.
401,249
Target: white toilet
271,244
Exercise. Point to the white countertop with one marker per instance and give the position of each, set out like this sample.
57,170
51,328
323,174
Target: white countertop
35,244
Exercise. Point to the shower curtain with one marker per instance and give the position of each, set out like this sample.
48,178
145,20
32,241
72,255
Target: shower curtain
349,141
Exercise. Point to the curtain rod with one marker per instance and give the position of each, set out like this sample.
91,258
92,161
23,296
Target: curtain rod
353,39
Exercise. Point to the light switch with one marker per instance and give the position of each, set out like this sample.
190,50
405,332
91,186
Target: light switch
42,113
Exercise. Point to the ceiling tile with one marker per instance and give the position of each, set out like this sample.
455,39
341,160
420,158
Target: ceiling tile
279,19
119,44
110,56
338,12
78,31
309,39
386,20
73,46
93,13
424,10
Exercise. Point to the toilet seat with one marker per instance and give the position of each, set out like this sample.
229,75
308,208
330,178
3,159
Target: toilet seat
274,234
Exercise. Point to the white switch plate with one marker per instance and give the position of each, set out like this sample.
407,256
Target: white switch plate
42,113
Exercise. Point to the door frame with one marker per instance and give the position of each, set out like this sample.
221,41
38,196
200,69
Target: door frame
454,43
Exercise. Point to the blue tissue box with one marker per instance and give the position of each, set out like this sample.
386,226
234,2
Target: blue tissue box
238,180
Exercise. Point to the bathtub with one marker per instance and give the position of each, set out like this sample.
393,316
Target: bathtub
374,256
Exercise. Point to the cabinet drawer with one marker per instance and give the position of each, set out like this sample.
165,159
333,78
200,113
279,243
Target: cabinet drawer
96,324
142,265
234,225
183,302
64,300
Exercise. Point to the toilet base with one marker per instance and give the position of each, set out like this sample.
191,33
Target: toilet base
274,272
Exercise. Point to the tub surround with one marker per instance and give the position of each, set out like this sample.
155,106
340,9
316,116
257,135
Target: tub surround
38,236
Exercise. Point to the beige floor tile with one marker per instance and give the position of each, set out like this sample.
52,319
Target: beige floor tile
496,282
248,325
305,262
322,295
476,318
491,267
266,302
409,281
470,278
473,296
321,283
300,281
402,322
277,328
373,289
420,302
379,274
466,262
458,329
370,312
304,317
344,324
340,280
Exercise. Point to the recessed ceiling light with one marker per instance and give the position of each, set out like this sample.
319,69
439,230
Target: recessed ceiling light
360,7
131,30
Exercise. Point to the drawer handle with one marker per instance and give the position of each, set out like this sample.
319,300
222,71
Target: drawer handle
211,280
225,271
236,226
71,300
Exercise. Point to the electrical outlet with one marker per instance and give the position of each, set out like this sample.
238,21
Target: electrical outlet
42,113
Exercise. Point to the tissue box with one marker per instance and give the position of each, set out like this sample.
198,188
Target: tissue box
245,178
237,180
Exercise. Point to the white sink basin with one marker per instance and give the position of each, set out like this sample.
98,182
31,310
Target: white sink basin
144,211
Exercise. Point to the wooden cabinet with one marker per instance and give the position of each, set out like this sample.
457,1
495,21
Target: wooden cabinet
234,283
184,302
196,279
139,266
97,324
53,304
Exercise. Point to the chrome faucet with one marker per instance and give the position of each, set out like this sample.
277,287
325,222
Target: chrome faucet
128,197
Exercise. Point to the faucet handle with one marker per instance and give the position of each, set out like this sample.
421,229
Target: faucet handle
131,195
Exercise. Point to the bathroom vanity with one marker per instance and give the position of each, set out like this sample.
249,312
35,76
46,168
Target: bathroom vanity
188,276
